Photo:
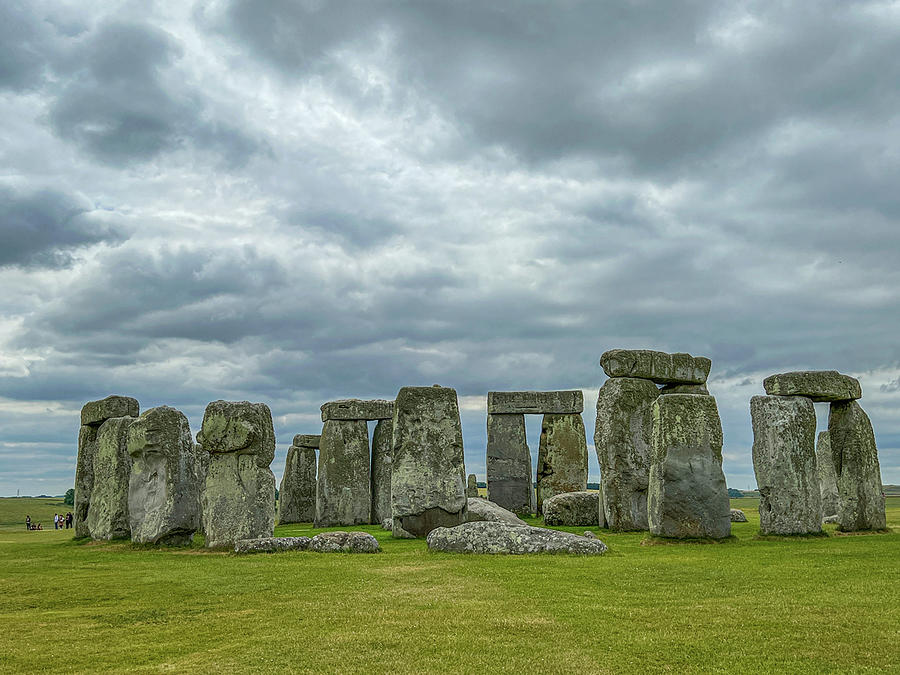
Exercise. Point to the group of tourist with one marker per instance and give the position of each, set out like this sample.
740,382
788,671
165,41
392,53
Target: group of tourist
60,522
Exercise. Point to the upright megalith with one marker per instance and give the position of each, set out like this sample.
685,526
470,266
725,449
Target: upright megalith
622,439
472,486
509,479
428,487
238,498
382,442
855,459
687,495
828,489
343,490
164,488
784,460
108,514
297,494
562,456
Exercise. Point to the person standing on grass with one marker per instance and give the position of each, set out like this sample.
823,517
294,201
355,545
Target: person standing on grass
68,520
55,521
27,522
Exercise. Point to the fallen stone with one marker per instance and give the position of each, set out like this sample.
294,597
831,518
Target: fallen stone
589,535
573,509
164,487
828,489
382,443
738,516
699,389
84,478
343,486
483,510
535,402
661,367
562,464
687,496
307,441
509,479
831,520
494,538
818,385
297,493
271,544
472,486
95,413
355,409
622,438
344,542
108,514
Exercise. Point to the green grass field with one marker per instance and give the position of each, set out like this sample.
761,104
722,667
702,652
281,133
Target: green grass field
826,604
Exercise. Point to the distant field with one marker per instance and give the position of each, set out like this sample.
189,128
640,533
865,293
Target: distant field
798,605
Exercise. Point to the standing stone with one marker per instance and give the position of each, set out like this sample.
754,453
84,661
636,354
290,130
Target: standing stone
687,495
164,488
343,490
238,498
382,440
428,488
509,482
472,486
855,460
562,456
784,460
297,494
622,439
108,513
831,499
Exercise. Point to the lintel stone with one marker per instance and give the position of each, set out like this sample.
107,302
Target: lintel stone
535,402
355,409
822,386
95,413
307,440
660,367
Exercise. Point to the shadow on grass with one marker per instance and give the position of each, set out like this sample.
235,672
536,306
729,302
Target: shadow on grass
667,541
792,537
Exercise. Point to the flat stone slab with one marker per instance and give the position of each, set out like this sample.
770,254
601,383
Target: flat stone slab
95,413
355,409
822,386
483,510
344,542
307,440
499,538
534,402
573,509
738,516
271,544
660,367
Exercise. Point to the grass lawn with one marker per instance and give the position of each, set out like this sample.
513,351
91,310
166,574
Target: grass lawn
825,604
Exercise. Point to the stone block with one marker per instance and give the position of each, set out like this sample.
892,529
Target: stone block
382,443
562,464
831,499
108,513
489,537
307,441
661,367
509,477
355,409
534,402
343,486
822,386
297,494
95,413
573,509
84,478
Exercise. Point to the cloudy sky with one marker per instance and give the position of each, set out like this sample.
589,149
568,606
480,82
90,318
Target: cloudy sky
292,202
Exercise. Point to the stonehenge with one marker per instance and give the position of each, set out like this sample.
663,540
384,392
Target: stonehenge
659,367
297,492
562,464
509,479
491,537
820,386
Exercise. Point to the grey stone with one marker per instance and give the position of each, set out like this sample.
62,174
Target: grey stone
387,524
164,488
784,461
343,490
472,486
687,496
622,438
428,487
685,389
822,386
855,459
503,538
738,516
271,544
355,409
509,479
590,535
95,413
661,367
535,402
382,442
482,509
344,542
84,478
108,513
307,441
562,456
238,498
297,494
573,509
831,499
831,520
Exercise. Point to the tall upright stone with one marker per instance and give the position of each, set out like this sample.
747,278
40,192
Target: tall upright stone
622,439
509,481
428,487
297,494
164,488
108,514
382,442
856,466
687,496
472,485
828,489
343,490
562,456
784,460
238,498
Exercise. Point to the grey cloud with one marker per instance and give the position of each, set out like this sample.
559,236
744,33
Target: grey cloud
24,45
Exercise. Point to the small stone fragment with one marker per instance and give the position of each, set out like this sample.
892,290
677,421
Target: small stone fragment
355,409
562,456
738,516
472,486
573,509
344,542
502,538
271,544
387,524
482,509
822,386
535,402
661,367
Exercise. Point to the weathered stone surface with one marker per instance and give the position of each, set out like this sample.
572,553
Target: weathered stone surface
95,413
622,441
738,516
238,498
562,456
831,520
307,441
661,367
355,409
482,509
344,542
685,389
509,478
687,496
784,460
84,478
382,444
108,513
493,538
297,494
343,489
472,486
828,489
164,488
573,509
387,524
428,487
855,460
535,402
271,544
818,385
